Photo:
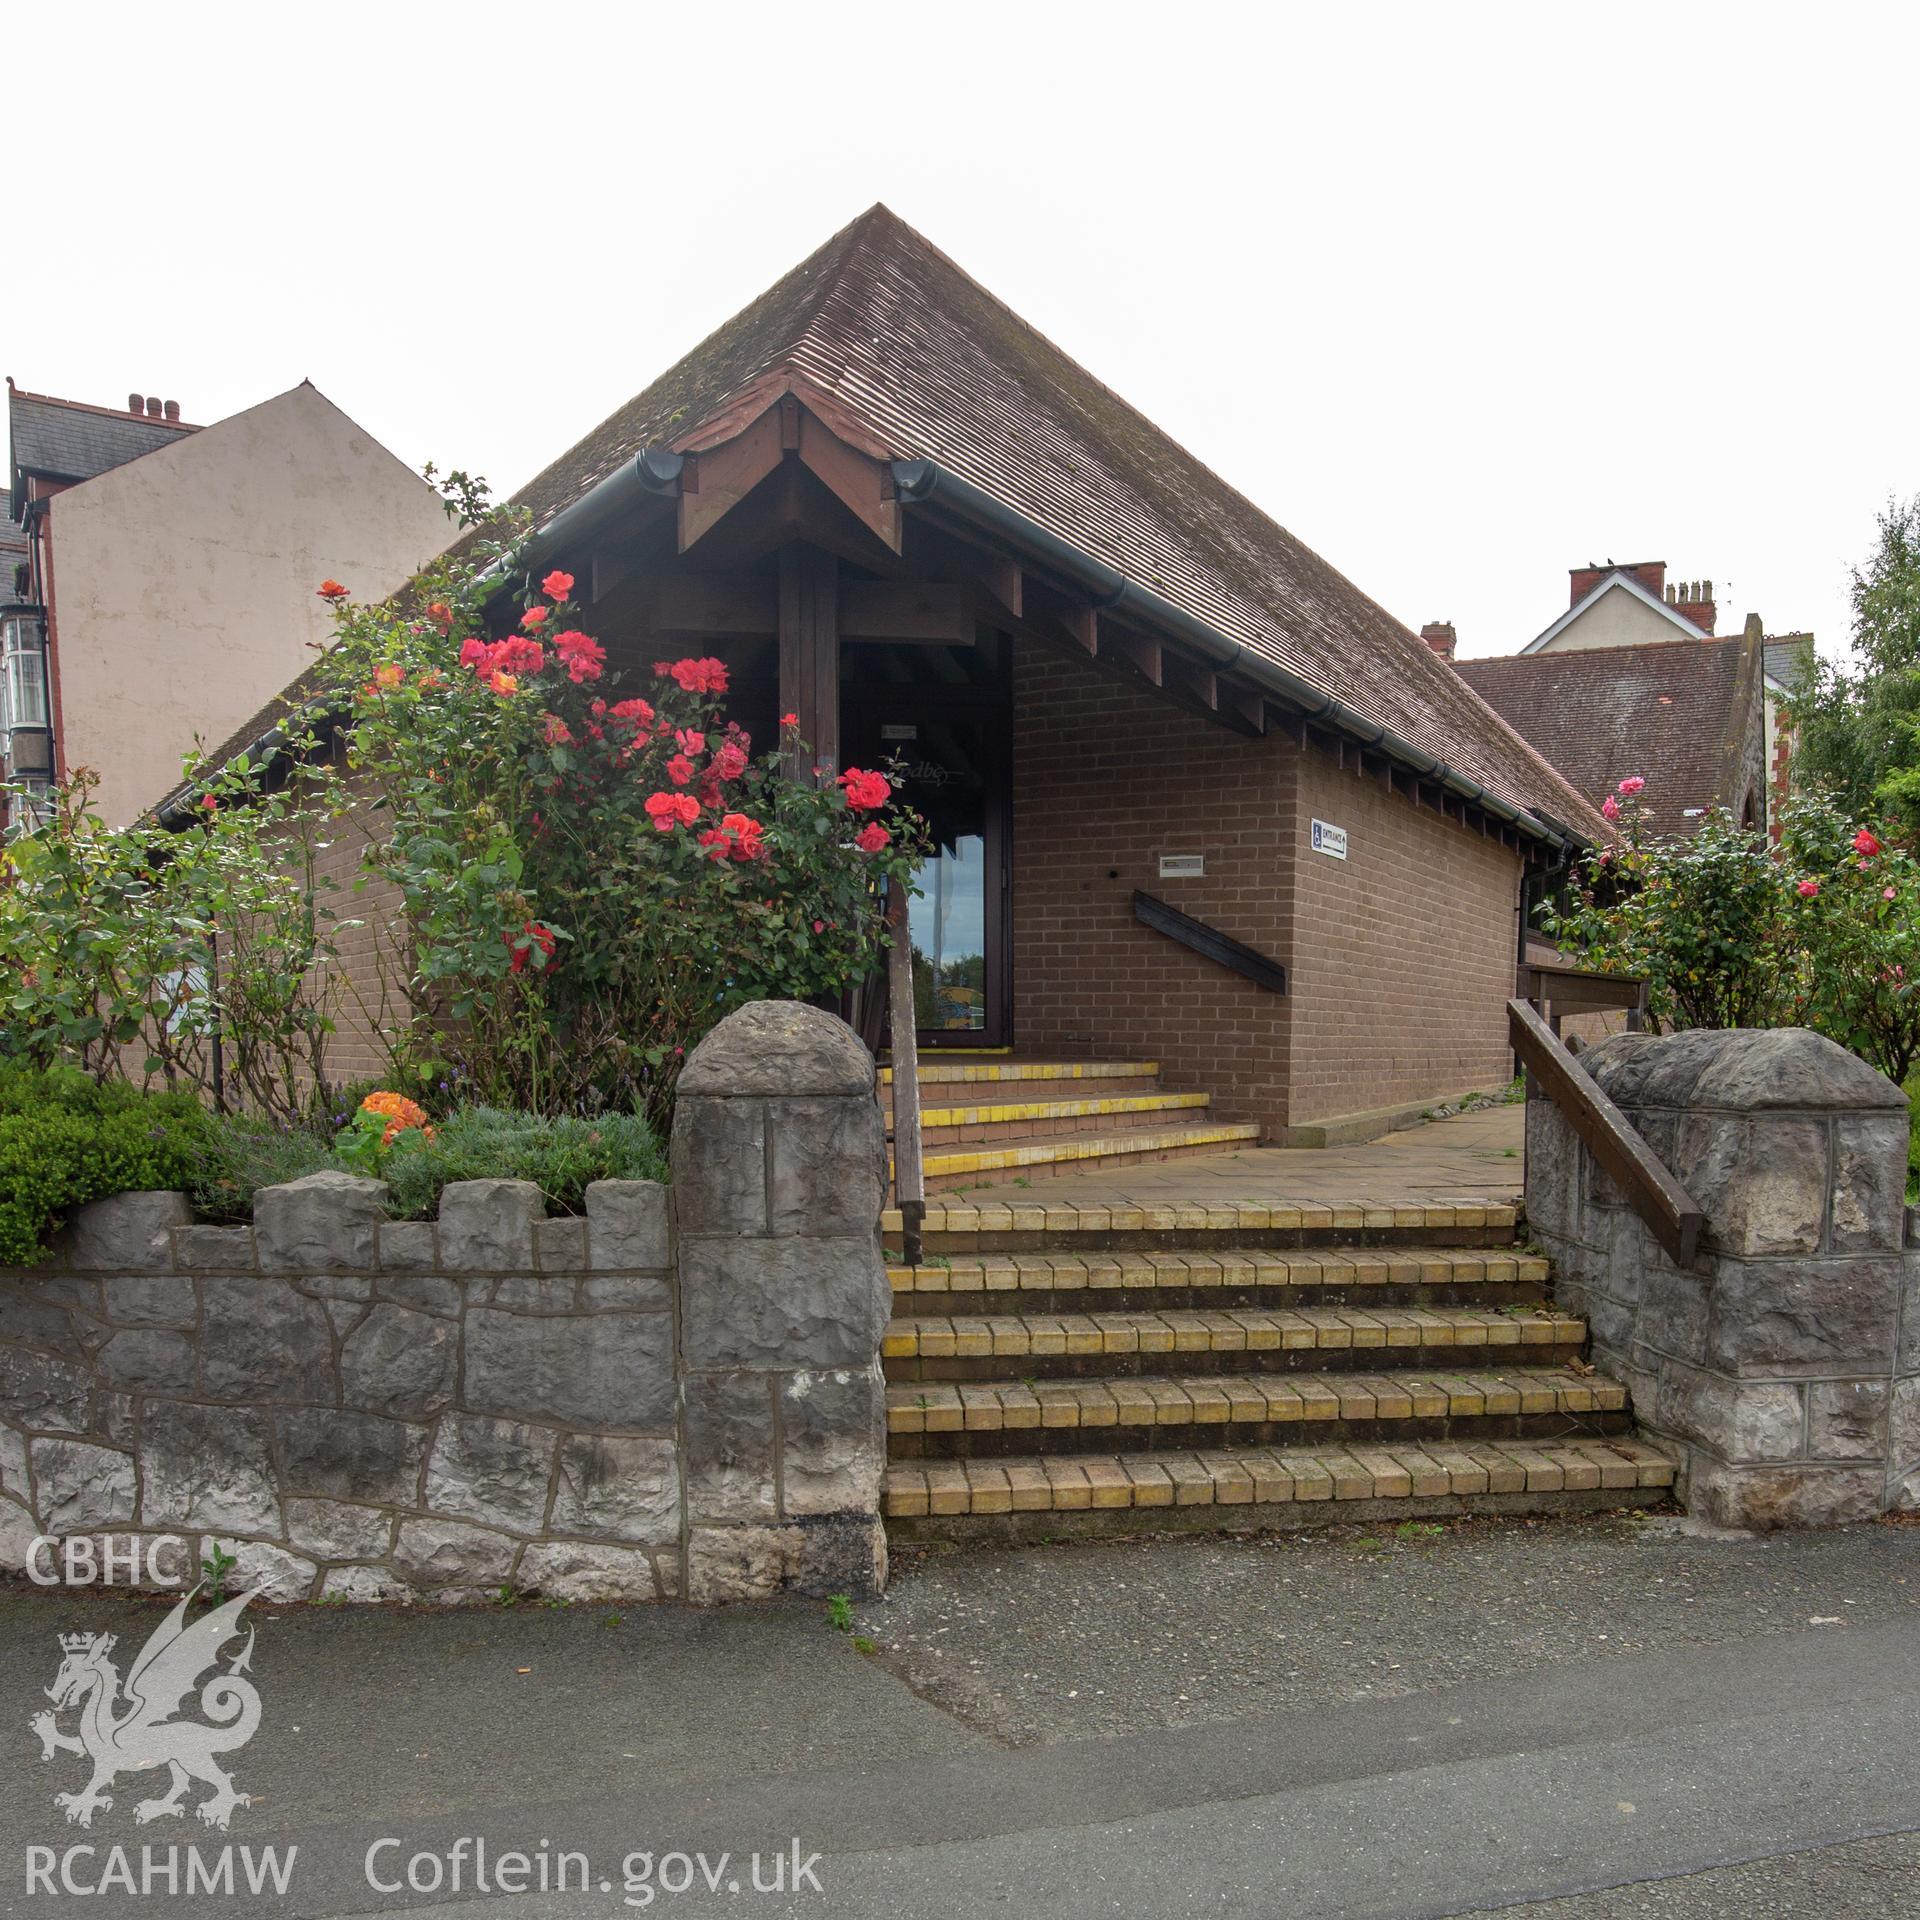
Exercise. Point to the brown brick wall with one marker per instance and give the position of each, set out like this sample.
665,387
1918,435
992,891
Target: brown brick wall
1403,953
1106,777
1400,958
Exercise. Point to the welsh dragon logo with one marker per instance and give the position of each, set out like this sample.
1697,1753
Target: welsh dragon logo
131,1727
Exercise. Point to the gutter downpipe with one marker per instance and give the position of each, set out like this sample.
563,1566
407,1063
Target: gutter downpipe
920,481
654,472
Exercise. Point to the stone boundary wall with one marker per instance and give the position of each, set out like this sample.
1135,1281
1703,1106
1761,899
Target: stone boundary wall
677,1396
1784,1368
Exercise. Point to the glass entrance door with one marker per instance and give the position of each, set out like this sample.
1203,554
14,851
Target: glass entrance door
952,768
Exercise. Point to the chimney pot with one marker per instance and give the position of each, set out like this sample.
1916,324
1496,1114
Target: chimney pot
173,409
1440,636
135,404
153,406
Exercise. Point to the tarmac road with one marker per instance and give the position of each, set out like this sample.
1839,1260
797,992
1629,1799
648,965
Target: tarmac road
1569,1720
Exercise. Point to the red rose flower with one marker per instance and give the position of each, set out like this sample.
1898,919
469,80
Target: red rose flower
532,935
865,791
534,617
211,802
705,675
1865,843
730,762
640,712
670,810
557,585
873,838
331,590
555,731
581,655
680,770
789,719
746,832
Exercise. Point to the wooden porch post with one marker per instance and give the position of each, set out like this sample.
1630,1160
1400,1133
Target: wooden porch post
810,654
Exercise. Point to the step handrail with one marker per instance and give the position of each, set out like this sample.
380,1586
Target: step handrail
1210,943
1672,1215
909,1180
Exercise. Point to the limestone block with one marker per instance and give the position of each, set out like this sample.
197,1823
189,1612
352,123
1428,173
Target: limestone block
1552,1169
739,1563
1675,1311
81,1486
1737,1420
259,1340
584,1571
325,1223
727,1421
150,1300
627,1226
364,1586
495,1472
1765,1498
618,1489
213,1249
37,1390
827,1166
148,1359
1869,1182
209,1467
486,1226
1904,1447
13,1465
1787,1316
1762,1182
126,1233
338,1530
778,1047
448,1560
560,1245
426,1292
270,1573
719,1155
1847,1419
407,1246
834,1441
32,1320
782,1304
398,1361
361,1457
598,1371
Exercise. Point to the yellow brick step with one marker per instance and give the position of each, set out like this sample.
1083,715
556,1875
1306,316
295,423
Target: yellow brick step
1237,1330
1270,1476
1095,1271
1016,1214
1019,1113
979,1072
951,1163
937,1406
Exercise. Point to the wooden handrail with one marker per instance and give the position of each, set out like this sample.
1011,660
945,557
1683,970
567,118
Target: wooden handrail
1560,991
1210,942
909,1181
1671,1214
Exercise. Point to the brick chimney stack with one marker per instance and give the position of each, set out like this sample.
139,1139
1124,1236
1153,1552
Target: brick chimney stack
1693,600
1651,574
1440,636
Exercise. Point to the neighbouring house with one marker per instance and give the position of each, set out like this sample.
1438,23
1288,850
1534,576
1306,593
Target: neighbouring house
1202,809
170,569
1613,607
1686,716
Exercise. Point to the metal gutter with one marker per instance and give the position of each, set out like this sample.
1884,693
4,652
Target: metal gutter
922,481
653,472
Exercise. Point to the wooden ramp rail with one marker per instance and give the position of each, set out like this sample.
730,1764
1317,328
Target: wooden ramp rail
1657,1197
909,1182
1560,992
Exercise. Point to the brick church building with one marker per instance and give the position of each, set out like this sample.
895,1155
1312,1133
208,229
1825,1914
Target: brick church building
1200,804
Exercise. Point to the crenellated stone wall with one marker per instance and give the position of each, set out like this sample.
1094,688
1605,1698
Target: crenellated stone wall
675,1397
1784,1367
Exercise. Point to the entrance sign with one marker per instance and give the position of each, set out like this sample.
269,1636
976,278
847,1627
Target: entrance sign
1330,840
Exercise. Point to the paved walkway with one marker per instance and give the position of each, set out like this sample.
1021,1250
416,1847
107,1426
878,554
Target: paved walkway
1475,1155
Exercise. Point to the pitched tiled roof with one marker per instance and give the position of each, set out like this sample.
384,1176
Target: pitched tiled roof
13,537
1679,713
1789,659
64,440
934,367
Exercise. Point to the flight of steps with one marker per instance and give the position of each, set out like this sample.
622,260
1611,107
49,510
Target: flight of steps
990,1120
1065,1369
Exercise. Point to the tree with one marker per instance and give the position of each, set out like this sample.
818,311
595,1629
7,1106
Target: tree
1858,728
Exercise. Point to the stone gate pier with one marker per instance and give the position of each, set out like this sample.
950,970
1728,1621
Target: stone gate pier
1783,1368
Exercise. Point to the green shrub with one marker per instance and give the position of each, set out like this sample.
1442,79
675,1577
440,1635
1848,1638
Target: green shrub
241,1154
65,1140
560,1156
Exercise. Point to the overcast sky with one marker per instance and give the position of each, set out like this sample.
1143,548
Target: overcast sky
1463,295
